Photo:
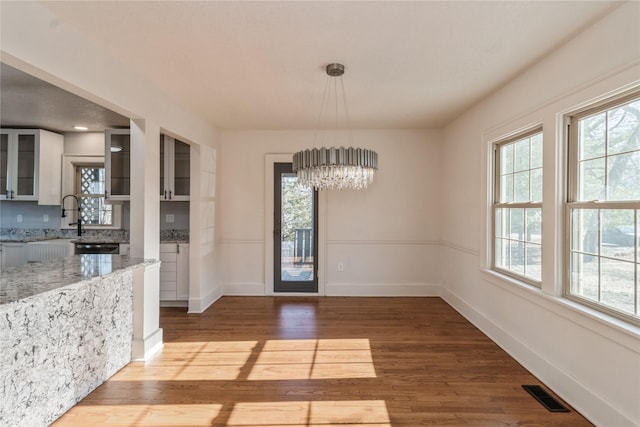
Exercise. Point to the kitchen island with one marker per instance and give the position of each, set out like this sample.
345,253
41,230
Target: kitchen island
66,326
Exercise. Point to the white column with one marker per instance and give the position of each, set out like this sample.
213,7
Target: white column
145,236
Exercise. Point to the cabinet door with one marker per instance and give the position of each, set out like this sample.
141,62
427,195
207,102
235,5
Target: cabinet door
18,164
14,254
25,173
117,159
164,158
182,285
175,164
181,170
4,166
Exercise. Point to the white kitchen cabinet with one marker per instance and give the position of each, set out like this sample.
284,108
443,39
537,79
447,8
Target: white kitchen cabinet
174,272
124,248
117,164
175,161
13,254
30,165
49,250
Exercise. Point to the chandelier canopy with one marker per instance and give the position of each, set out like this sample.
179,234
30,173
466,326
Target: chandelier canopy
335,168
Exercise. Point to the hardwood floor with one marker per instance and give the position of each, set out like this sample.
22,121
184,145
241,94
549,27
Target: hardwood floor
260,361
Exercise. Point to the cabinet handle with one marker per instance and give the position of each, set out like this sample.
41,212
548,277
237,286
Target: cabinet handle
169,194
177,248
106,194
11,192
165,194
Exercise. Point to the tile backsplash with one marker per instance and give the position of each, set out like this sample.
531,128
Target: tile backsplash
30,221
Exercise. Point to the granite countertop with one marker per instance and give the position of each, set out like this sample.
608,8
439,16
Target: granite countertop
82,239
25,239
18,283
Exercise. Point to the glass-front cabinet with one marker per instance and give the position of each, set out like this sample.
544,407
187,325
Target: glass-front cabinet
117,162
30,165
175,163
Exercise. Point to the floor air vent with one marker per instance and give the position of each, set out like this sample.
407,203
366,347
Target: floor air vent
545,398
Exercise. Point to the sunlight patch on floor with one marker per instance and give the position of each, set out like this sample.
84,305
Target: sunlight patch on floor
145,415
313,359
351,413
193,361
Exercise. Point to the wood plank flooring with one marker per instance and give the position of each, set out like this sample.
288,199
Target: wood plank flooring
285,361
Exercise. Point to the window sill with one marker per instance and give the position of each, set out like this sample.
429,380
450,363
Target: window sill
611,328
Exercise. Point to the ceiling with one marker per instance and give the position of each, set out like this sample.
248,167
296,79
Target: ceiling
260,64
28,102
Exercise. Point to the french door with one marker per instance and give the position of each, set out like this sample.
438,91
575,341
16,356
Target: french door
295,233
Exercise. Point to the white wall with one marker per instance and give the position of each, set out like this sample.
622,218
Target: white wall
387,236
590,360
84,143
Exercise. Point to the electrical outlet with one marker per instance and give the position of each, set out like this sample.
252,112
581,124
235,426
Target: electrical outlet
340,266
19,219
169,218
45,218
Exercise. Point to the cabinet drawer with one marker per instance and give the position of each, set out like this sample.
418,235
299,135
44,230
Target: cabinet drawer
168,257
168,266
168,295
168,276
168,286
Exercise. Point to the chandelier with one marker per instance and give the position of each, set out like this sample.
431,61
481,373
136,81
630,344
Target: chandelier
335,168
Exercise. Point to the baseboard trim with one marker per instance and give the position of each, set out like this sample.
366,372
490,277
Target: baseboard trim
145,349
592,406
383,289
199,305
244,289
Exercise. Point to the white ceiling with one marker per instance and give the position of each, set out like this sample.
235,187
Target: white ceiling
28,102
260,64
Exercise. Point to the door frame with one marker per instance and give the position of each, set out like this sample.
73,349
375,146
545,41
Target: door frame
270,160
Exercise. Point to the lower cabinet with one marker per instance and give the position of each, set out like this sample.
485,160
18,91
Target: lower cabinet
174,272
13,254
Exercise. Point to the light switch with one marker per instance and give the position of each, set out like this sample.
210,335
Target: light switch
19,219
45,218
169,218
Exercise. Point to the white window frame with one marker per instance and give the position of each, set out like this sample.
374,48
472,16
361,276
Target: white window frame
496,204
571,203
69,165
80,195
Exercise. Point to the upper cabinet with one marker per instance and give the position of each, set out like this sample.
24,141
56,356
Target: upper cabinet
30,165
174,169
117,164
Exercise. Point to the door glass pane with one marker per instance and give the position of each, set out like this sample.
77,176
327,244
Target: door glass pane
182,166
297,246
4,154
26,165
120,165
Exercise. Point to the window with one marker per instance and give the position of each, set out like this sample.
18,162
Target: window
517,207
90,190
604,207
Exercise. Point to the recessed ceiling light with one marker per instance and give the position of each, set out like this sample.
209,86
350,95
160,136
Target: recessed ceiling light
77,127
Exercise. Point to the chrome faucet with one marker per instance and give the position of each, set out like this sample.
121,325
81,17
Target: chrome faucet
64,213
